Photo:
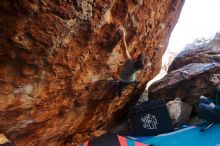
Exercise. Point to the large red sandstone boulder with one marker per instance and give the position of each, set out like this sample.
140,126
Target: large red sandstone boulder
57,60
189,73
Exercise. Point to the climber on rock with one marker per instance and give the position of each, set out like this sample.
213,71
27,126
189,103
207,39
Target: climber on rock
131,65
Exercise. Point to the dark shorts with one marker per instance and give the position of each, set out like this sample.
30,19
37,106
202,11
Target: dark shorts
208,113
122,85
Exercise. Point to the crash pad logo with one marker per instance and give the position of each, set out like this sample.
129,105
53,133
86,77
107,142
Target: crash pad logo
149,121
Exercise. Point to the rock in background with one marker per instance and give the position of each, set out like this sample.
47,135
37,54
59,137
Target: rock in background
201,51
189,73
58,57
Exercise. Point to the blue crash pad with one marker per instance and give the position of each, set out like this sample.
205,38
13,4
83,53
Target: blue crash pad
190,136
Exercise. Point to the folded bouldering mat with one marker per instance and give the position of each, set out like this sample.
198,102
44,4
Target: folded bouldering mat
190,136
111,139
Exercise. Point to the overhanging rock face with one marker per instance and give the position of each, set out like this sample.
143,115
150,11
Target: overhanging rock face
57,59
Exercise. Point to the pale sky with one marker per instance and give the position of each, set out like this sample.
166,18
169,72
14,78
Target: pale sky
199,18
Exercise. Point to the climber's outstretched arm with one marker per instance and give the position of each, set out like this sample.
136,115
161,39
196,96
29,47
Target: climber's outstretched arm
124,44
